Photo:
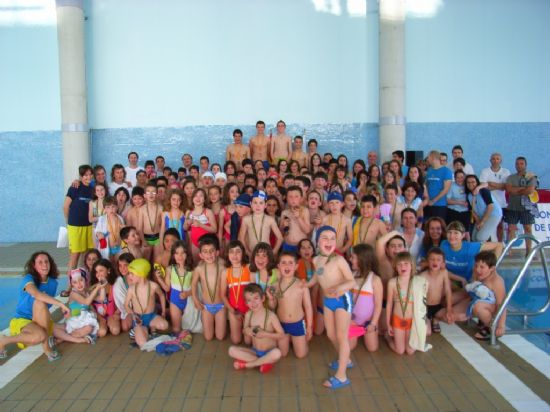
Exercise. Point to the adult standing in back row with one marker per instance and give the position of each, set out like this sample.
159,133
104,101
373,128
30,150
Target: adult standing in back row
438,183
520,208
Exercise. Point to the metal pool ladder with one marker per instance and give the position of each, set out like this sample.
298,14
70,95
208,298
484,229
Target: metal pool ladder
539,248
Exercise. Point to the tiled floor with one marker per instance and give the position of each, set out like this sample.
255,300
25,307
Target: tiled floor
113,376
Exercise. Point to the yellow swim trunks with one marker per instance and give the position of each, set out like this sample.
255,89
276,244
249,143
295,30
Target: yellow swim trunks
80,238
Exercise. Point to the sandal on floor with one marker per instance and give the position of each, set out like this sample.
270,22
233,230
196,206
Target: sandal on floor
334,365
3,354
239,364
266,367
53,356
483,334
51,343
436,328
90,339
336,383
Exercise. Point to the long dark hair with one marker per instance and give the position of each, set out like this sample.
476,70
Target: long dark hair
111,272
29,267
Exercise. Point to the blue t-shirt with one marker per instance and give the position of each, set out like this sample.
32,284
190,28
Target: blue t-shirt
484,198
24,305
461,262
457,192
78,210
435,181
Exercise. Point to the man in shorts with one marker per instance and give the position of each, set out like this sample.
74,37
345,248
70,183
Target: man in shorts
520,209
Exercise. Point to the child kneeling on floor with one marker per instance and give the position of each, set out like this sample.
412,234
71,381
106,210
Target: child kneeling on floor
488,293
261,328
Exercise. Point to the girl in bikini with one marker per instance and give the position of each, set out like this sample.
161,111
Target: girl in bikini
367,298
199,221
179,274
399,309
173,216
104,304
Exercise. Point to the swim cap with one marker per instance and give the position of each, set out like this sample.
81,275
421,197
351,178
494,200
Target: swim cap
324,229
79,272
220,175
208,174
243,200
140,267
261,194
335,196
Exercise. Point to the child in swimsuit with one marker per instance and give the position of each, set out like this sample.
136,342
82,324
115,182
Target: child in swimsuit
262,329
120,289
263,266
233,282
173,216
208,299
162,260
140,301
305,271
81,326
214,201
107,230
367,298
293,307
179,274
103,303
199,221
399,309
229,208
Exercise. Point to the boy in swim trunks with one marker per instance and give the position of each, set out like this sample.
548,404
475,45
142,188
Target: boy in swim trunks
335,277
294,220
294,308
261,328
341,223
281,144
150,218
439,287
140,301
258,226
208,273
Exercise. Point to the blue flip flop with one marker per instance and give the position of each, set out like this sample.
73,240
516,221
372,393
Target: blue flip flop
334,365
336,383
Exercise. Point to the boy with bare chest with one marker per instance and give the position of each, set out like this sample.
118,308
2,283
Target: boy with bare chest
150,218
334,275
294,308
237,151
295,221
281,145
210,302
341,223
262,329
259,144
367,227
257,226
140,301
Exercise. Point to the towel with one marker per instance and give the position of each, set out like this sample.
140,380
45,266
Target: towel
417,338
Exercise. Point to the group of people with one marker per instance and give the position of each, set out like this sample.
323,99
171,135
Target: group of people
279,245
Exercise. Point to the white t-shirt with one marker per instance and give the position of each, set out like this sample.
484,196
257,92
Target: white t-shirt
488,175
131,174
468,169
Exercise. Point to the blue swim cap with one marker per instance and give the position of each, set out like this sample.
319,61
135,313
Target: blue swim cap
323,229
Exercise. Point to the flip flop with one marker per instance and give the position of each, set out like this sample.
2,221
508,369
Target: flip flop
239,364
90,339
53,356
436,328
3,354
334,365
266,367
336,383
483,334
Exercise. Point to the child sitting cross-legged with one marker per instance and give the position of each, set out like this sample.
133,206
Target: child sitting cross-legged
82,325
262,329
140,301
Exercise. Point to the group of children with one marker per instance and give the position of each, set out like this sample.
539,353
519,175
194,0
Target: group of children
324,262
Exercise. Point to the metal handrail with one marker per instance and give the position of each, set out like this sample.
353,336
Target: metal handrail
538,248
511,243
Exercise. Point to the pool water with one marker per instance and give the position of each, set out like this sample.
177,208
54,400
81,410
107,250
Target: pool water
531,295
9,294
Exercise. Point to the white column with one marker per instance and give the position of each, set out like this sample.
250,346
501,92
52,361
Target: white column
391,77
72,79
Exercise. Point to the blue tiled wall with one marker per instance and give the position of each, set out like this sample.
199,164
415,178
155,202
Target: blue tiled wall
31,162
